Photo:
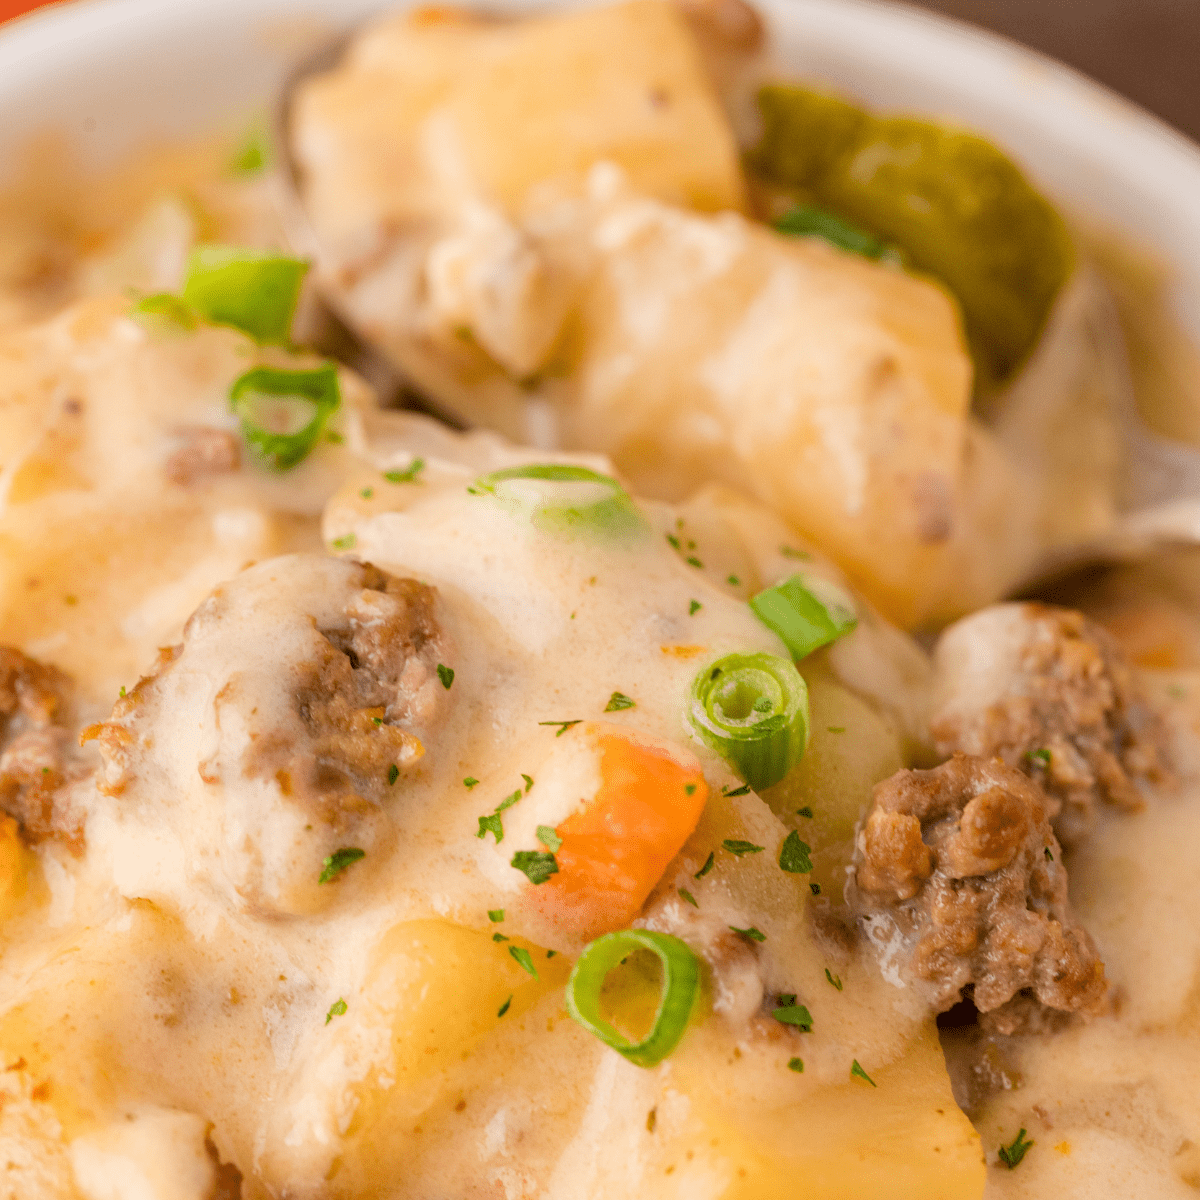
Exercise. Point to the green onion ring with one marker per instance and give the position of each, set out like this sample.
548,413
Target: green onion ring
605,506
752,709
807,612
298,403
252,290
680,984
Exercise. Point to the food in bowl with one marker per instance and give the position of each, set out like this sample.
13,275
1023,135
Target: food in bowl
577,817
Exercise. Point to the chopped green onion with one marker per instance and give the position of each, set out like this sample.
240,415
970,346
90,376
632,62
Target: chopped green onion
694,608
562,499
469,782
537,865
393,774
524,961
504,1007
509,800
815,888
252,290
336,1009
794,855
283,412
753,710
618,701
164,313
797,1065
499,937
680,984
806,811
836,980
744,790
708,865
806,220
495,915
686,895
807,612
446,675
528,782
339,860
548,838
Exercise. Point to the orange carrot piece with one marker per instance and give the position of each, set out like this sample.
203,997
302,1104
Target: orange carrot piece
615,850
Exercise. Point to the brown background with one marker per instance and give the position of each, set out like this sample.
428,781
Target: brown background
1147,49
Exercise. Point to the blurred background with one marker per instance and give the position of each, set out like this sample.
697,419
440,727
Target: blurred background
1147,49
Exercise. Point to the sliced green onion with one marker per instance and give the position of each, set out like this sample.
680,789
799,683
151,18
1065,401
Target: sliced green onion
252,290
680,983
164,313
562,499
752,709
807,612
283,412
807,220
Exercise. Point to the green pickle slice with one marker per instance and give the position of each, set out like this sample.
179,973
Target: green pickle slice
957,208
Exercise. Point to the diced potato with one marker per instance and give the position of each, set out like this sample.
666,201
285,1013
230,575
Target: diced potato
903,1139
429,113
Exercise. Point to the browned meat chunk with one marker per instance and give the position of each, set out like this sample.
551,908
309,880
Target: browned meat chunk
205,451
959,876
35,760
1052,694
306,687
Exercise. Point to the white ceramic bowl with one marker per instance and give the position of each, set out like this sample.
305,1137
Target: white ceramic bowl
110,73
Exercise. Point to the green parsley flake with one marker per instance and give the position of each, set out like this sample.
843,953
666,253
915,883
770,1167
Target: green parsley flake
793,1014
1049,856
804,812
528,782
689,789
367,493
336,1009
794,855
509,800
708,865
393,774
797,1065
536,865
408,475
347,542
856,1070
377,720
563,725
495,915
334,439
694,608
744,790
693,561
339,860
1012,1154
470,782
734,581
815,888
674,541
836,728
738,847
618,701
499,937
1043,756
524,961
688,897
446,675
789,552
836,980
548,838
504,1007
551,953
755,935
491,823
122,692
